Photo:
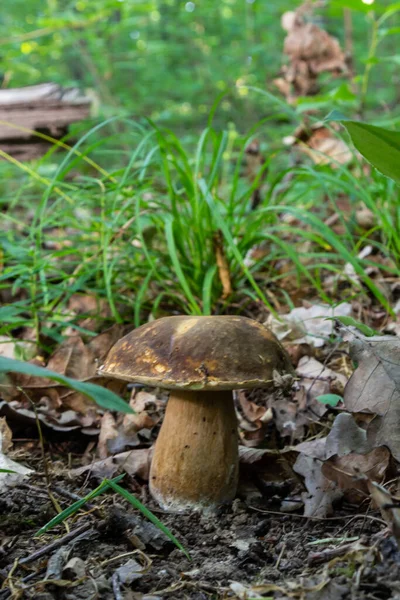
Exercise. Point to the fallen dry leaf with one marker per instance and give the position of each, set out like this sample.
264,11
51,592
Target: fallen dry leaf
351,471
15,348
388,506
374,388
344,457
252,412
108,432
90,308
321,143
18,471
133,462
344,438
58,407
321,493
317,379
5,436
120,433
222,264
311,51
308,325
73,359
293,415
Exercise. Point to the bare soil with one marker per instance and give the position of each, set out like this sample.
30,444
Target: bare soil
110,551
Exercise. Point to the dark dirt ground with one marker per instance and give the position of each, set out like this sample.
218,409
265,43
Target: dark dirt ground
116,554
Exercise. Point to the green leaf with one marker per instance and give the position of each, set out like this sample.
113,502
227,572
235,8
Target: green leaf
147,513
100,395
381,147
350,322
330,399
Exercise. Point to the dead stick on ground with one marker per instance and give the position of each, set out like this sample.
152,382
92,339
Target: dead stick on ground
316,558
222,264
56,544
341,518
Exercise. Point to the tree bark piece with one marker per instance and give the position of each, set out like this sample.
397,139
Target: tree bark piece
47,109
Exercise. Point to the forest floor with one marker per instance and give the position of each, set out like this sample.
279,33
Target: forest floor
246,550
260,546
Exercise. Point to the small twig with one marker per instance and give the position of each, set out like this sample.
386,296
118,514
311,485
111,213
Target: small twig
222,264
281,514
71,495
316,558
56,544
144,556
7,591
278,562
207,587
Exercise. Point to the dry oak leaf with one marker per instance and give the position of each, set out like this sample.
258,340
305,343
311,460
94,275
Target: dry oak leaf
133,462
335,463
308,325
388,506
292,416
108,432
346,470
57,406
5,436
18,471
374,388
321,493
322,144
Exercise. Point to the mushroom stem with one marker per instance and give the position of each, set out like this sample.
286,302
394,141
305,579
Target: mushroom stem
195,461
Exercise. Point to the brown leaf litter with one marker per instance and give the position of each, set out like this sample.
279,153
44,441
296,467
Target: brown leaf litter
373,392
324,146
311,51
56,406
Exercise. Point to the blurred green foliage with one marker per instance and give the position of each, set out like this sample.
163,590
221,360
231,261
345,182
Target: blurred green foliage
170,59
164,59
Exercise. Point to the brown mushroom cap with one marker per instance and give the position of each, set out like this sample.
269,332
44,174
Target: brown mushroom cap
198,353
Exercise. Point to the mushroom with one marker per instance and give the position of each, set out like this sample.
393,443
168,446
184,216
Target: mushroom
201,360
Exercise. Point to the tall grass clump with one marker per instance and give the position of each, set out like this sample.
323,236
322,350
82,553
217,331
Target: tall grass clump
148,237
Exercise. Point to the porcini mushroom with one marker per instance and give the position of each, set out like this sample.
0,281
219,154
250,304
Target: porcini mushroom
201,360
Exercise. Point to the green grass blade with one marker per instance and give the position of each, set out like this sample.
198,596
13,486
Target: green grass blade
231,244
100,395
68,512
207,289
148,514
139,297
169,234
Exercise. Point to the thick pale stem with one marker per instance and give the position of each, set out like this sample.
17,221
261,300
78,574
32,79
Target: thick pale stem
195,462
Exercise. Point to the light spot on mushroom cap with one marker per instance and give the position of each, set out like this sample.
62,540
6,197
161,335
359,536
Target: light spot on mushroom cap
186,325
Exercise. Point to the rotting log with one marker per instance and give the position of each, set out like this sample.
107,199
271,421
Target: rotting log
47,108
